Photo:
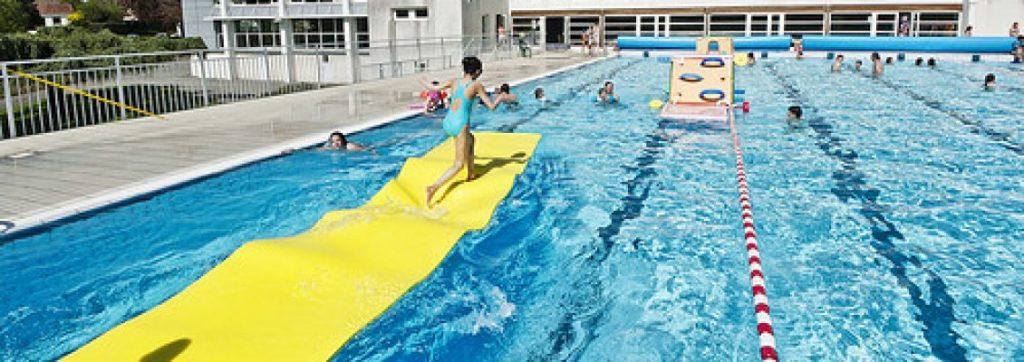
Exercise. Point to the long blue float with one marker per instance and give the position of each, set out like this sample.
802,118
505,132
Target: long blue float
679,43
973,45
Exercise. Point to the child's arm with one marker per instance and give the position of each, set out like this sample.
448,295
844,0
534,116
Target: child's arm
479,89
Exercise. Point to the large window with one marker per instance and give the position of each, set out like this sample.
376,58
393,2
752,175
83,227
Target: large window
328,33
937,23
616,26
727,24
252,33
805,24
686,25
885,24
850,24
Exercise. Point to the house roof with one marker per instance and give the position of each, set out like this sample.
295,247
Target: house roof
54,9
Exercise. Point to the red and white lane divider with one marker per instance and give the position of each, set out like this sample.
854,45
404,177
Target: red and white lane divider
766,335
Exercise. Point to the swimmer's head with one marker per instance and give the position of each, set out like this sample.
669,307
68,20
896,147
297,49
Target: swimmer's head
875,56
337,140
888,60
504,89
750,55
609,86
538,93
919,61
435,83
602,92
858,64
472,67
990,80
795,112
839,58
931,62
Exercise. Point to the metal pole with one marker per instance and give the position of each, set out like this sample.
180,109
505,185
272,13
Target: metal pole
266,72
202,78
9,103
120,87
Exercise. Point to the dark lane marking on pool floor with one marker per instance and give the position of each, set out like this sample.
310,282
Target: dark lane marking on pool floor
638,189
937,314
975,126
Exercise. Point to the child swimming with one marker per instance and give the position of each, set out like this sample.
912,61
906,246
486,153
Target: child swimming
837,65
337,141
607,93
990,81
456,122
505,91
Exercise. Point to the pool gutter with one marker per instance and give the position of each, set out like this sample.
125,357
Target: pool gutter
119,195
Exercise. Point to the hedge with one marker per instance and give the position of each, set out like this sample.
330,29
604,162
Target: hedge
77,42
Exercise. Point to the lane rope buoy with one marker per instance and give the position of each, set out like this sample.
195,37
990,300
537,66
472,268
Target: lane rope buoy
765,332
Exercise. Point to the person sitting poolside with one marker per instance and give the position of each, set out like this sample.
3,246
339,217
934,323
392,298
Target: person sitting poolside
837,65
919,62
857,65
751,59
337,141
931,63
433,96
990,81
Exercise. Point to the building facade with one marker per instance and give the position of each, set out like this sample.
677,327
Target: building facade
563,23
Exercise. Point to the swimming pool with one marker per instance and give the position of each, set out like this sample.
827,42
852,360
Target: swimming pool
889,224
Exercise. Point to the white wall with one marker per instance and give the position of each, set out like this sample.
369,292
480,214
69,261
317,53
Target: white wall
631,4
193,12
993,17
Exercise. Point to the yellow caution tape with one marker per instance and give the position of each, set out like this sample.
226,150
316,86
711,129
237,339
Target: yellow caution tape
84,94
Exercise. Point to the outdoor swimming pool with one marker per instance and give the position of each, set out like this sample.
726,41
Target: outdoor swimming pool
889,225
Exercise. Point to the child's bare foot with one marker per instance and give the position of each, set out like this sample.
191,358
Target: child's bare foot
430,194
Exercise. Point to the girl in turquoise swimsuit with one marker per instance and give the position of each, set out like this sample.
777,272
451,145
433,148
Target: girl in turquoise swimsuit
456,122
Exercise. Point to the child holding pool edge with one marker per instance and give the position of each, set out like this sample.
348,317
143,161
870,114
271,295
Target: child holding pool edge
456,122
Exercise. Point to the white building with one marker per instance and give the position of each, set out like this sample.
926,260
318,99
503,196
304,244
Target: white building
54,13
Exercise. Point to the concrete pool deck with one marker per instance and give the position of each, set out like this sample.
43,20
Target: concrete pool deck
51,176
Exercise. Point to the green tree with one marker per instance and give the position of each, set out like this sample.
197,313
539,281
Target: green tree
15,17
101,11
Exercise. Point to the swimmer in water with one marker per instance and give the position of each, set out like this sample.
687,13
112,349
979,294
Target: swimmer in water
837,65
990,81
337,141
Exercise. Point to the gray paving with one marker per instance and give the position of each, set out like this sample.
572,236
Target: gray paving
91,161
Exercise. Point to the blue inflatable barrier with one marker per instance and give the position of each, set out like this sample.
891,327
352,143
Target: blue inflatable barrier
922,45
680,43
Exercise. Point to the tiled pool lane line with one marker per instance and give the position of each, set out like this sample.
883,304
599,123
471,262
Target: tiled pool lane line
765,331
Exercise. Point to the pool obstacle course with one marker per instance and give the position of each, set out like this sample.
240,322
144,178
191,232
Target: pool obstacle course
301,298
701,85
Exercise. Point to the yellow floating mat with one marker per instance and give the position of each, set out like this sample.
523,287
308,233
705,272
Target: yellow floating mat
302,298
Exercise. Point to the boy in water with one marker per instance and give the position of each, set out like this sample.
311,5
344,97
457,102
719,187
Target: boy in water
456,122
505,92
990,81
857,65
837,65
751,60
878,68
607,93
793,115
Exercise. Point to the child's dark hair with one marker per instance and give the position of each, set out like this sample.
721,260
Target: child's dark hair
858,62
538,92
990,78
875,56
471,65
888,60
608,83
796,111
505,88
340,135
435,83
931,62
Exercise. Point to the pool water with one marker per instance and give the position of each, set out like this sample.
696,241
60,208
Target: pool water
889,223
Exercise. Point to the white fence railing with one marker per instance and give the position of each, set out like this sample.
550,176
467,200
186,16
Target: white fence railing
42,96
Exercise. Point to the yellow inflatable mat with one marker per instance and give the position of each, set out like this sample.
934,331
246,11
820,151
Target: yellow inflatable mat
302,298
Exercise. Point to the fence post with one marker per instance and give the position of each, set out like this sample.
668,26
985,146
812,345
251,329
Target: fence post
266,71
419,55
202,77
444,56
120,87
9,102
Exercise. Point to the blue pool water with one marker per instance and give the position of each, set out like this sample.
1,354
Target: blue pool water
889,221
